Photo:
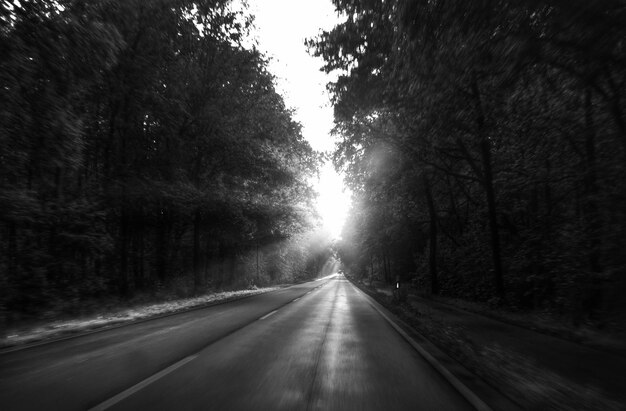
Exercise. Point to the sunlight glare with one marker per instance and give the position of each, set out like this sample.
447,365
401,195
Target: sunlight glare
334,200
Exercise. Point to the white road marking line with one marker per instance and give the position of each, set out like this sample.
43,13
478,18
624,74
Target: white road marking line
268,314
127,393
295,299
469,395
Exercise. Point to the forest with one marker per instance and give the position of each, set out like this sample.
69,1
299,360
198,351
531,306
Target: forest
168,240
485,143
143,148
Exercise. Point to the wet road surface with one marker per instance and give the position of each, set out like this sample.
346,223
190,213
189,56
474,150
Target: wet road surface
314,346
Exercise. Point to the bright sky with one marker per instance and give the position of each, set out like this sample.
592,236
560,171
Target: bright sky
281,28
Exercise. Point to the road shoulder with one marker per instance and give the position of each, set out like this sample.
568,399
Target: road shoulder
477,391
533,370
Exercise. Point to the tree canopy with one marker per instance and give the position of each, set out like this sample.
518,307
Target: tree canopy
143,145
485,144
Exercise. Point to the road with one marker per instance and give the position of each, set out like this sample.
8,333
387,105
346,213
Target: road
314,346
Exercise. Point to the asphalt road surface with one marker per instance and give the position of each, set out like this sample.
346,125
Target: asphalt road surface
314,346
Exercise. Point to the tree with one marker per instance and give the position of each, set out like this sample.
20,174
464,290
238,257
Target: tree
144,148
502,112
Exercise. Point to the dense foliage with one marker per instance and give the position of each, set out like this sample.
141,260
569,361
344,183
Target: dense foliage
485,142
142,145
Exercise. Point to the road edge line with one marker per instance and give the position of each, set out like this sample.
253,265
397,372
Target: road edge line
141,385
268,314
468,394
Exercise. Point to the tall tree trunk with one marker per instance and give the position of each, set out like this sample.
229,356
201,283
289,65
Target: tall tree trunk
432,234
454,207
197,273
386,271
12,248
11,273
591,187
58,184
232,267
197,222
258,276
161,247
138,255
123,251
485,156
616,112
209,253
123,134
221,262
615,108
547,192
485,150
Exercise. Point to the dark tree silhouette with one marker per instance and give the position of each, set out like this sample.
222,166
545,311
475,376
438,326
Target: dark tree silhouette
142,147
492,132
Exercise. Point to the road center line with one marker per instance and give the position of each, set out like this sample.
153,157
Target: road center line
268,314
137,387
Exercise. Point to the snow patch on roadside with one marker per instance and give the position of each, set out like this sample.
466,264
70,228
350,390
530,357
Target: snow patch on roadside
57,329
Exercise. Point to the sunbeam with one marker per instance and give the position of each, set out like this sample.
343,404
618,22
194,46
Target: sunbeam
333,202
